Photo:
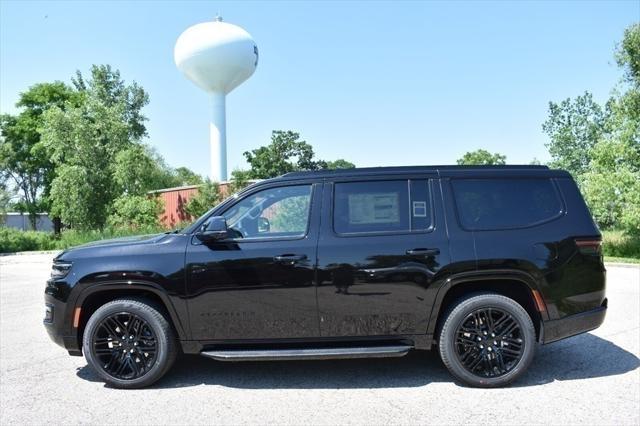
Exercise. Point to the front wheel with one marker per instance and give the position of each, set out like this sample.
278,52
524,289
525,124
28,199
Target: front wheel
487,340
129,343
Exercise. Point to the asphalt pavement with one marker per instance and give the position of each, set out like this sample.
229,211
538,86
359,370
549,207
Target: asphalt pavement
589,379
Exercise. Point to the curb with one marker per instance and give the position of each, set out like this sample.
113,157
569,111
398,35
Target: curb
623,265
28,253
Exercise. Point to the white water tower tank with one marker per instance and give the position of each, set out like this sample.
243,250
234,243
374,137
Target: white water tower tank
217,57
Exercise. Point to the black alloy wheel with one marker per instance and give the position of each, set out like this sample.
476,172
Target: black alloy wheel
487,340
130,343
125,345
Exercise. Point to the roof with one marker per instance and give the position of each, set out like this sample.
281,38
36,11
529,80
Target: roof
441,170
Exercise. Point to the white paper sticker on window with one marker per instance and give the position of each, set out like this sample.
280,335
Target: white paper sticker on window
419,209
374,208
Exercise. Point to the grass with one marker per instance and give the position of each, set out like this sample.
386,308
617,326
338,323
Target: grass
616,244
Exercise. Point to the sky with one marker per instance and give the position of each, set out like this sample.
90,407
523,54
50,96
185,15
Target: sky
375,83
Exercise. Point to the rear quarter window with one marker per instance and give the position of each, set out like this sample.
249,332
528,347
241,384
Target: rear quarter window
493,204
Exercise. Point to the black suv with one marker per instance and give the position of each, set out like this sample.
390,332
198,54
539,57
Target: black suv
481,263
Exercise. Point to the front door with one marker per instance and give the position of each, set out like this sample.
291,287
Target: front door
258,284
382,247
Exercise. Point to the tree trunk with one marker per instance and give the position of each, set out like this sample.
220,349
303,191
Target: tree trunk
57,225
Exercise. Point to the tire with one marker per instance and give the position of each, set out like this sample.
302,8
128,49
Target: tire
148,344
468,349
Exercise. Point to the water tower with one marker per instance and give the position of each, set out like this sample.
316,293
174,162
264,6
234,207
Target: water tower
217,57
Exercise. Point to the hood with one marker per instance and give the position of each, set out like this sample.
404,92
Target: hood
113,243
135,239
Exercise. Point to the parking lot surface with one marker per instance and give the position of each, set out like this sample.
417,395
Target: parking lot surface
589,379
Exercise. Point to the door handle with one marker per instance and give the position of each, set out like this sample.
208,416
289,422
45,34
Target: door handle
423,252
290,259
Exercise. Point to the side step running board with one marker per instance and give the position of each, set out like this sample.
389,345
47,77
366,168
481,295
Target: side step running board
298,354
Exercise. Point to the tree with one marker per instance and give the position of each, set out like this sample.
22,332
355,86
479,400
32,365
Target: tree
286,153
240,179
23,159
340,164
628,54
574,127
208,196
84,142
5,200
600,146
481,157
106,86
183,176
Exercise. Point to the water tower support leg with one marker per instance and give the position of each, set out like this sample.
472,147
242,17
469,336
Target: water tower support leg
218,140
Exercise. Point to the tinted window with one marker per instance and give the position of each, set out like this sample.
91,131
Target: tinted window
381,206
271,213
505,203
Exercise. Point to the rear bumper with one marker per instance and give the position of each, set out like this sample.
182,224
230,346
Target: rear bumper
571,325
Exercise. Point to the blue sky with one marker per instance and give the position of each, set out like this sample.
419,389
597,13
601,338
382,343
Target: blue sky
375,83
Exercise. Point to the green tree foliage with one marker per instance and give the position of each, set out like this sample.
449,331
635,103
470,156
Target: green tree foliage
574,127
600,146
183,176
240,179
135,211
628,54
287,153
23,159
84,142
340,164
207,197
5,199
481,157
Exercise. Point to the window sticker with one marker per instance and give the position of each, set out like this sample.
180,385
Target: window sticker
419,209
374,208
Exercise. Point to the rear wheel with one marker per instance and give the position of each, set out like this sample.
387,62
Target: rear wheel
487,340
129,343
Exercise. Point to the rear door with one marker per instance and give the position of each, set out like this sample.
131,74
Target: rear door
381,249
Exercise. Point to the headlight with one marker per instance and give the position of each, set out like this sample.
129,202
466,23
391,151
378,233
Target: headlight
60,269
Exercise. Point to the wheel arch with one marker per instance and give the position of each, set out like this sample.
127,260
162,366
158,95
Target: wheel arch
96,295
517,285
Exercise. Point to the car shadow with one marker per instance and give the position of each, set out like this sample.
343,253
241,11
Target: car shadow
582,357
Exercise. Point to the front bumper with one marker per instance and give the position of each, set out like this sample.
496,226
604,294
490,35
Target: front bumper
571,325
58,326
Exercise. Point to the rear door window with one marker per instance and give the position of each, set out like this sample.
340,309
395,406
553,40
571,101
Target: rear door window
493,204
382,206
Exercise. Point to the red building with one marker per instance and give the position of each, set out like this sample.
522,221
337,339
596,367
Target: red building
175,201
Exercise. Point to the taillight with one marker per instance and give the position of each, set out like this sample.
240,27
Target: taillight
589,245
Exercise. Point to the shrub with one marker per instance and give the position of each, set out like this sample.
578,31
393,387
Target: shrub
14,240
208,196
135,212
619,244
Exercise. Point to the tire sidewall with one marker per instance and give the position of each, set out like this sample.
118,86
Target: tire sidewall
460,313
162,353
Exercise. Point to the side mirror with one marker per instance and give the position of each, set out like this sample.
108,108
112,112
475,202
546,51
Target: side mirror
214,229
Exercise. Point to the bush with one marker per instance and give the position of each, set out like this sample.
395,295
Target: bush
619,244
13,240
208,196
135,212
